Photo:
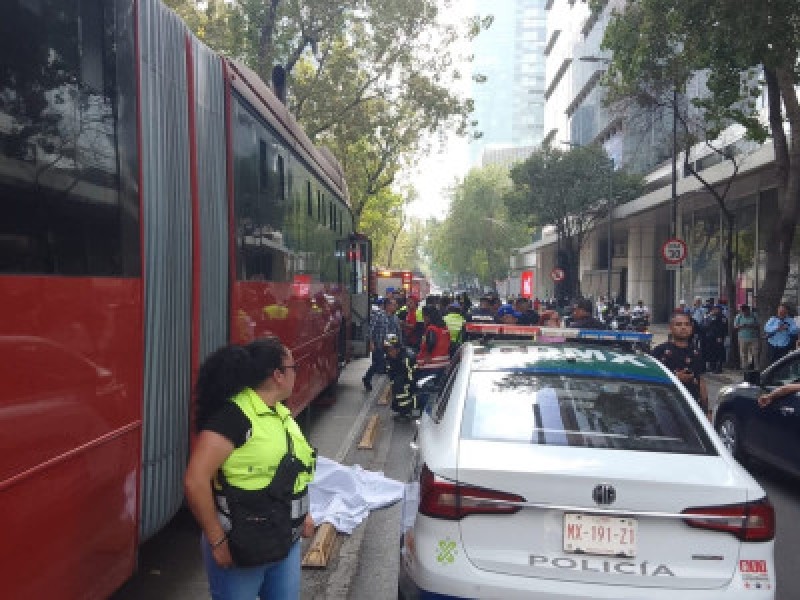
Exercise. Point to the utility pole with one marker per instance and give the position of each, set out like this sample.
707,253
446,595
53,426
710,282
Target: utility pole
674,212
610,244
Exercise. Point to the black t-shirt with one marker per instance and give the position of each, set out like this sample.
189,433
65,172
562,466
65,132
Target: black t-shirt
529,317
587,323
676,358
230,422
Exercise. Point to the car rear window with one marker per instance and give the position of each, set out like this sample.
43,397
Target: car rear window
555,410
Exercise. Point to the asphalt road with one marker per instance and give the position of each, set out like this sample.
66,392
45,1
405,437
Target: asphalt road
365,566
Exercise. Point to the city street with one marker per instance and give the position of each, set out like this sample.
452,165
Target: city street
365,566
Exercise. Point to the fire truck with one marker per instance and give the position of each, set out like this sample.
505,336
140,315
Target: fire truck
386,280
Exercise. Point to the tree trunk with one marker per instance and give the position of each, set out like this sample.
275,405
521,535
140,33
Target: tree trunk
572,270
265,39
730,287
787,159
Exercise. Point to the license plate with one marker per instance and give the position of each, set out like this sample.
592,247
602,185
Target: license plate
605,536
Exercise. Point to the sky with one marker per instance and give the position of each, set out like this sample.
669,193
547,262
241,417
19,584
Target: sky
449,160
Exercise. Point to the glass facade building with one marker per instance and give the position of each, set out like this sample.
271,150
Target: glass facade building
509,104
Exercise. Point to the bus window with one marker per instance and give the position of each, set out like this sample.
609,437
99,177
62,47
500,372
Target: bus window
59,148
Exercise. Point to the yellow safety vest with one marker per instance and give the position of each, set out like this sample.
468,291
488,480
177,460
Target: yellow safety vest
454,322
252,465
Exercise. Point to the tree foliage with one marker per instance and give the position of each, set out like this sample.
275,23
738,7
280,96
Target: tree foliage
658,44
368,78
476,237
569,190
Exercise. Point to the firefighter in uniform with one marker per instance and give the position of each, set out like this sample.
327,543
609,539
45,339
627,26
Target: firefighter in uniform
400,364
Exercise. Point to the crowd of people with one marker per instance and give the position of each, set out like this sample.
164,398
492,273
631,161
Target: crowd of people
710,330
247,478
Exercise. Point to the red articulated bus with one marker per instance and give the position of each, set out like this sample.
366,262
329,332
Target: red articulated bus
157,202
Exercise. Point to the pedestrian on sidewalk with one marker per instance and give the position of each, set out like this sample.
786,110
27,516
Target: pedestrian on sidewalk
684,360
781,333
746,326
385,322
716,330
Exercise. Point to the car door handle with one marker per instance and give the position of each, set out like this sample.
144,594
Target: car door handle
787,410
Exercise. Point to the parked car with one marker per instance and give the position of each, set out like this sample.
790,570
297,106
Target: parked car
770,434
568,470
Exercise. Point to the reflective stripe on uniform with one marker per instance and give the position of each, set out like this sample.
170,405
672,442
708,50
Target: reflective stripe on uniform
300,506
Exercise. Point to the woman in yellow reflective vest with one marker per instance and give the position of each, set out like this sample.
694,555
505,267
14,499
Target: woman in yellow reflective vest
250,464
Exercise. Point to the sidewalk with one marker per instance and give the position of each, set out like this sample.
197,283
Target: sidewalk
660,333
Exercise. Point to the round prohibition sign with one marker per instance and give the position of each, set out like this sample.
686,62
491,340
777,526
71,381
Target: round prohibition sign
673,251
557,274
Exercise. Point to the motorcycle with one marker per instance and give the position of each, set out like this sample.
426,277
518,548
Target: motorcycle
621,322
640,322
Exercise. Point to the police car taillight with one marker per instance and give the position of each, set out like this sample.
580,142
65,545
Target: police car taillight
749,522
445,499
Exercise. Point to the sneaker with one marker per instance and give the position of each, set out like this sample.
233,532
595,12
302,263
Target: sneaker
367,384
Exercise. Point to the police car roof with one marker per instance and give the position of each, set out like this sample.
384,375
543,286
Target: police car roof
567,359
558,351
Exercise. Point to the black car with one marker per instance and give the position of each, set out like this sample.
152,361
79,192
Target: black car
770,434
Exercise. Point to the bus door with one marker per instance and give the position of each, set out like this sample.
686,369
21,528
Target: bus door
356,251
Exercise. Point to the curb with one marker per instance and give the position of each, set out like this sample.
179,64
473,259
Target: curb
341,578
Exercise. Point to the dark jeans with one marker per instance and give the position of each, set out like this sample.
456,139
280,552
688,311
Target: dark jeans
778,352
378,364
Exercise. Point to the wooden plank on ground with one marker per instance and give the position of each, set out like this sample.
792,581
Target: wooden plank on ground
384,399
370,433
321,548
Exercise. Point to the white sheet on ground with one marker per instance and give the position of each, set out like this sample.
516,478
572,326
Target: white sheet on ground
343,496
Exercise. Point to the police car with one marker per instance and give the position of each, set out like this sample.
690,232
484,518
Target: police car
565,464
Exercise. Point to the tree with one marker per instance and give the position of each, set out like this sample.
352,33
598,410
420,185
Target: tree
570,191
660,43
476,237
384,221
690,129
368,78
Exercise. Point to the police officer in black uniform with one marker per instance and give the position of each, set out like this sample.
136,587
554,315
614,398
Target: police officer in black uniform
685,361
582,316
715,329
483,313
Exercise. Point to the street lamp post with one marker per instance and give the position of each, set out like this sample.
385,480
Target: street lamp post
674,207
610,244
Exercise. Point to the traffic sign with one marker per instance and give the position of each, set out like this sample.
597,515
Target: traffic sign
557,274
673,251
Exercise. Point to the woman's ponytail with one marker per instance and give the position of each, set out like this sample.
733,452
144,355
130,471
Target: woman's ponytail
224,373
230,369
